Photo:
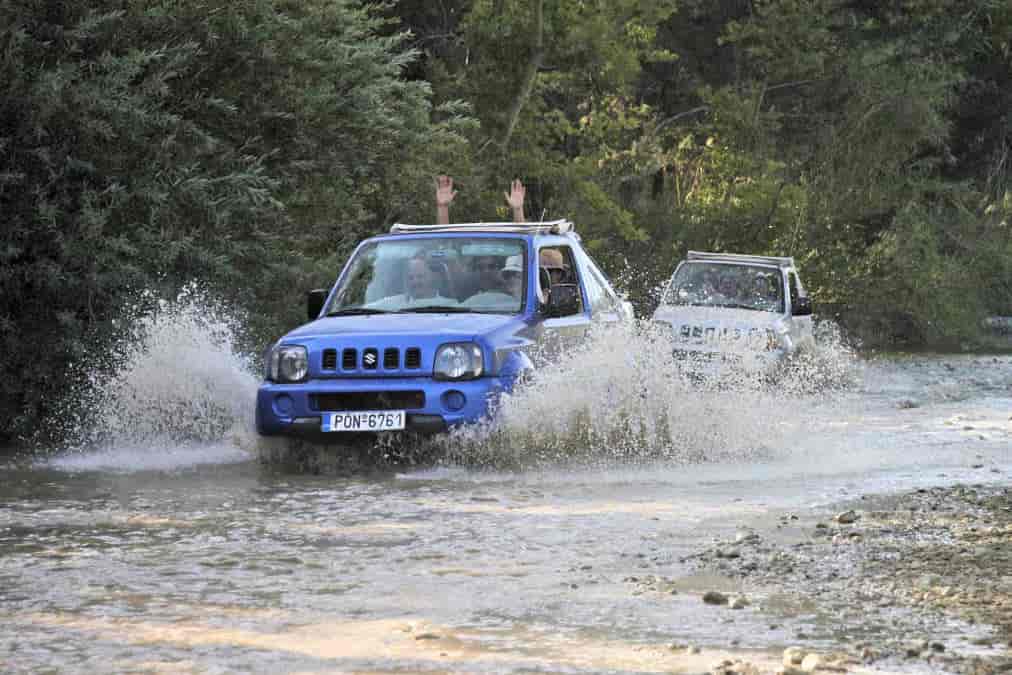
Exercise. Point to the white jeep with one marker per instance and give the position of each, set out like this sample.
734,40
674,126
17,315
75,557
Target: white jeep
739,310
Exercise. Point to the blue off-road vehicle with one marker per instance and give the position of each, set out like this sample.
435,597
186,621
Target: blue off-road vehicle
427,326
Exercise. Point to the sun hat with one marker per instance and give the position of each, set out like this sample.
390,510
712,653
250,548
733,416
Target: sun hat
513,264
551,259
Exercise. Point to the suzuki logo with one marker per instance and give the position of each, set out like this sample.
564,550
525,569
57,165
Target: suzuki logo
369,359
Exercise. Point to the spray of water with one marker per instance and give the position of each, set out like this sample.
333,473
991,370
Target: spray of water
176,391
623,398
173,381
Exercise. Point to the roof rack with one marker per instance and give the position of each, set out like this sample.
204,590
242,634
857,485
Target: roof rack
545,227
741,258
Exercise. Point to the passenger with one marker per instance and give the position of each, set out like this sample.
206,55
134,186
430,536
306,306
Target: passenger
763,294
727,292
488,269
421,287
513,276
554,263
708,287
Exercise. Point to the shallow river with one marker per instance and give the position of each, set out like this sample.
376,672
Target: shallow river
197,558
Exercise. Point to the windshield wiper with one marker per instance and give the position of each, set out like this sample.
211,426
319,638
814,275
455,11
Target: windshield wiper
439,309
357,311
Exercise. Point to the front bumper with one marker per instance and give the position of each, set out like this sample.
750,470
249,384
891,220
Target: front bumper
297,409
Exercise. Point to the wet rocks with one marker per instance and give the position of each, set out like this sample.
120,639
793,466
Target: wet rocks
931,564
736,667
738,602
715,598
847,517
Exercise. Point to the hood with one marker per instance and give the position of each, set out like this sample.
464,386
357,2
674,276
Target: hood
449,326
393,345
717,316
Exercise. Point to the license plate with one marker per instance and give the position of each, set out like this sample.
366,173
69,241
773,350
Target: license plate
366,420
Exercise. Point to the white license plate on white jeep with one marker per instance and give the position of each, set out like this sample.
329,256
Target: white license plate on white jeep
365,420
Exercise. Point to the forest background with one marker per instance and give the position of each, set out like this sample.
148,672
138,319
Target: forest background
146,144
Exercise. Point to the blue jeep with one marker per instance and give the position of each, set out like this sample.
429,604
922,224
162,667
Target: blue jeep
427,326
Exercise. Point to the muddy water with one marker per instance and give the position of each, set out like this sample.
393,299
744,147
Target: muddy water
154,556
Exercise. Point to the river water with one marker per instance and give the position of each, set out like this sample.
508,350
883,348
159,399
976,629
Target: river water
153,554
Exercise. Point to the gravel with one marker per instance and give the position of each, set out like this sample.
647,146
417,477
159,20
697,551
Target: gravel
924,576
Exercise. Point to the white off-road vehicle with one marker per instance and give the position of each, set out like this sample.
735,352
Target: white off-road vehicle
744,311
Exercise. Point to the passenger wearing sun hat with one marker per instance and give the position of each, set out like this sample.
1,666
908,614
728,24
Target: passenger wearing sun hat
508,296
552,260
513,275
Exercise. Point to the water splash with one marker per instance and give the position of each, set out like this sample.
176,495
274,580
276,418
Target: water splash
621,398
175,379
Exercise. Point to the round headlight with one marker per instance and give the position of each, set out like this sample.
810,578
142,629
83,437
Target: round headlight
292,363
458,361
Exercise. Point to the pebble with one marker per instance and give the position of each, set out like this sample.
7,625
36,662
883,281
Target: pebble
847,517
739,602
811,663
427,636
714,598
793,656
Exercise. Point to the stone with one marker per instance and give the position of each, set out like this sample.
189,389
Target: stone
746,538
793,656
811,663
427,636
714,598
847,517
739,602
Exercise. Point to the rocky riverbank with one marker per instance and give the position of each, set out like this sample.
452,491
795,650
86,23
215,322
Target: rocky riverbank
914,582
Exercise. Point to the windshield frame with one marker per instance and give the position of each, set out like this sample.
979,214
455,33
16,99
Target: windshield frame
670,300
330,307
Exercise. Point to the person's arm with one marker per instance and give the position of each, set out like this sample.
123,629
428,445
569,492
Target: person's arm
444,195
515,199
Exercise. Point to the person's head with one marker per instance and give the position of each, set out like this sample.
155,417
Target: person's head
728,285
488,268
710,278
421,281
552,260
512,275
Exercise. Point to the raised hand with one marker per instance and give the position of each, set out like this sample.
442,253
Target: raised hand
444,195
515,199
444,190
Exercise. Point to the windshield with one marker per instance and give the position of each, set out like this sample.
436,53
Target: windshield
445,274
723,285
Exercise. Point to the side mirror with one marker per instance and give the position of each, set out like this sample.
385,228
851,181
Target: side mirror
563,300
803,306
314,302
627,310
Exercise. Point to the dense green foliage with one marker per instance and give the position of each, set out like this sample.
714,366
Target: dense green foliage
147,143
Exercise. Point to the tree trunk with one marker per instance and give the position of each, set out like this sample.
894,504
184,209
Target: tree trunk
530,74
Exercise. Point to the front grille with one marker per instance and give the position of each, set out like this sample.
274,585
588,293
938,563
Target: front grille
391,358
413,358
349,359
330,359
378,400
